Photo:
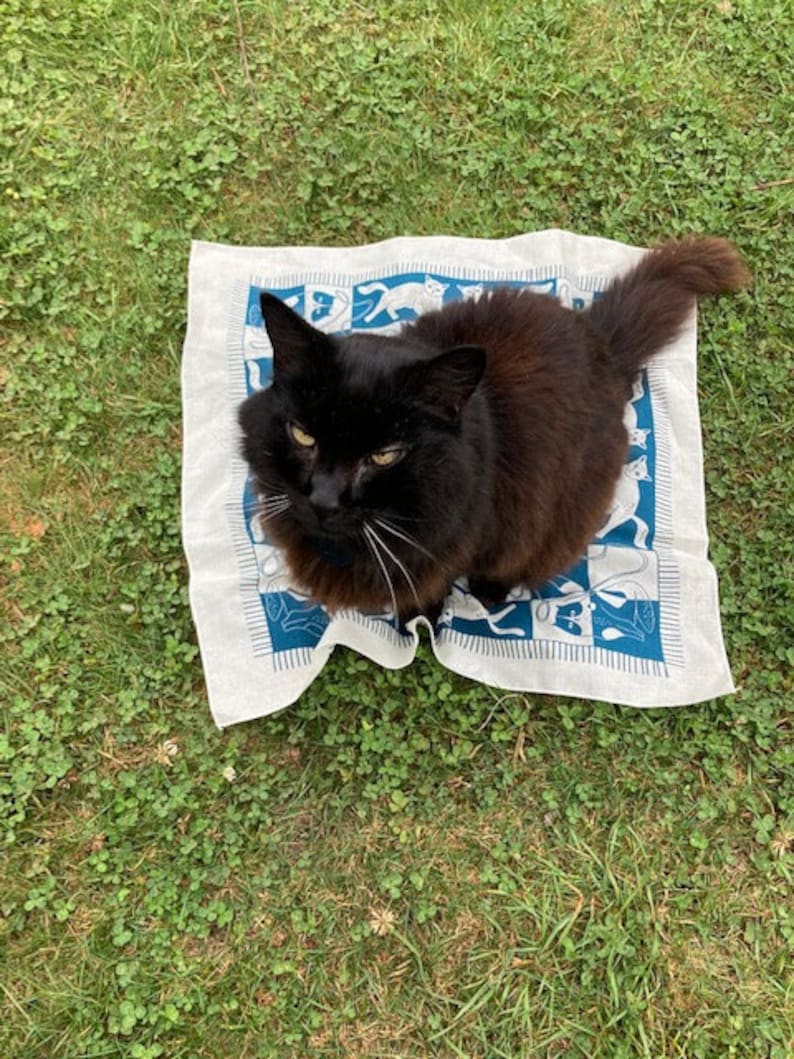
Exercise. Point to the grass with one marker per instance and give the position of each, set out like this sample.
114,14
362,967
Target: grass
404,864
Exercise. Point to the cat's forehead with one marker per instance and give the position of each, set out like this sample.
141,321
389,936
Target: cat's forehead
362,385
373,360
350,419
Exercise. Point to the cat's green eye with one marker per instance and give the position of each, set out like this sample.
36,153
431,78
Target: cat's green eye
386,457
300,436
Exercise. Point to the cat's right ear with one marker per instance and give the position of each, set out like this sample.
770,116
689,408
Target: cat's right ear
294,341
445,383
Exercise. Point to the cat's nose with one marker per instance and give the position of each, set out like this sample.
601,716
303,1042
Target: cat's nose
324,495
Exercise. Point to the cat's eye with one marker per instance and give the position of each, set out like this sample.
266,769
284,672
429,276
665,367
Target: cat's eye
386,457
300,436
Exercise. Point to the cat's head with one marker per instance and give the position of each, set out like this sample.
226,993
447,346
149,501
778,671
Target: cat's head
355,429
434,286
637,469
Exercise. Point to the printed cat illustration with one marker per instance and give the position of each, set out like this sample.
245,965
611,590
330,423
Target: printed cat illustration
285,606
614,607
626,501
472,290
570,296
461,604
421,297
637,436
258,373
630,414
329,309
563,615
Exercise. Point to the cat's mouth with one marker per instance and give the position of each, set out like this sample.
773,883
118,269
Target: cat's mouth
333,535
331,525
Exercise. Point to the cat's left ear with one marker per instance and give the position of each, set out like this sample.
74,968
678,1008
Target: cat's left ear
293,339
446,382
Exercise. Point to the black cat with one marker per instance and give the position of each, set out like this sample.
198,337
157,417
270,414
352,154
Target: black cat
485,440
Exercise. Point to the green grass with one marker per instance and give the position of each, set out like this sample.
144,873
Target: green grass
406,864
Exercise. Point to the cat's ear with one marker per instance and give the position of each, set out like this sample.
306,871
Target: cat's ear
294,341
446,382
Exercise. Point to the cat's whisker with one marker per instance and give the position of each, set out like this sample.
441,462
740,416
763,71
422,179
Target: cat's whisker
376,554
404,537
273,501
397,562
272,510
403,518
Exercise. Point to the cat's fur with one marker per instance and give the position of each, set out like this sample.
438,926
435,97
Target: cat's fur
508,409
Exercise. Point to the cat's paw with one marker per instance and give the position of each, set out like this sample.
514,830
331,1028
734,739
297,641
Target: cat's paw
489,591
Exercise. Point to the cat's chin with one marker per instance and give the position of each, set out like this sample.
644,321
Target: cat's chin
333,550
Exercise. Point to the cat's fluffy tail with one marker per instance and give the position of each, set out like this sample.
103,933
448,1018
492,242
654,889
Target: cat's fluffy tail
643,311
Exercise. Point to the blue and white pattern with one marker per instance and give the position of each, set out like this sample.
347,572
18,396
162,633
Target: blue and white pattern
635,620
607,607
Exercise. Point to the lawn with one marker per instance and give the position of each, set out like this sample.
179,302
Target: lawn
402,864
